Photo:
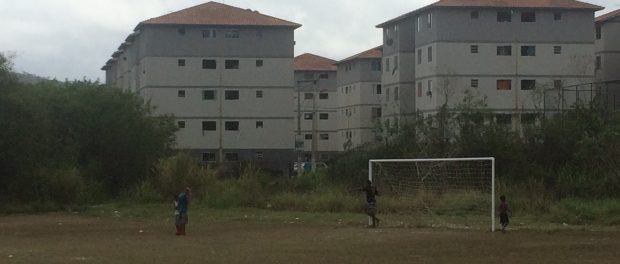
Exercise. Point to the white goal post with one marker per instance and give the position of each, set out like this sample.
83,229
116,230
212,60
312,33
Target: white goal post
410,177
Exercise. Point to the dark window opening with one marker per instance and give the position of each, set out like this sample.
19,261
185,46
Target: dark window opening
231,95
209,125
209,64
528,17
528,84
528,50
232,64
208,95
232,125
504,16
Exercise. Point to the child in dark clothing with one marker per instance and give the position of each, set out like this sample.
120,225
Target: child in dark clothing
371,209
503,213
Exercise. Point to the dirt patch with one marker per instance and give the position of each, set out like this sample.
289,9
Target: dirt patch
68,238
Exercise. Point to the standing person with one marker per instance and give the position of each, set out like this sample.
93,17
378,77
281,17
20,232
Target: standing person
182,219
371,200
175,201
503,213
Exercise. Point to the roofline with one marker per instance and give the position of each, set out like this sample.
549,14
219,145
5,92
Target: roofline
606,17
354,57
142,25
432,6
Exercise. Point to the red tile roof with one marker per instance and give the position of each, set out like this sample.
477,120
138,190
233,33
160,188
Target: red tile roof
214,13
374,53
311,62
538,4
608,16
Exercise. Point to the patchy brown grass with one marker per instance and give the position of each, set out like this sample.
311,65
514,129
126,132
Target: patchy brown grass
239,238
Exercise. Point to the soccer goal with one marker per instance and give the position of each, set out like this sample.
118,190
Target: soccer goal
444,189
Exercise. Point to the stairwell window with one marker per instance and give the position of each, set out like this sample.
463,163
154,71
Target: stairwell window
528,17
528,50
504,16
232,64
232,33
557,49
504,85
473,49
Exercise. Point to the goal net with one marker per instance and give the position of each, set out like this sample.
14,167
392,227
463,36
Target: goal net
445,192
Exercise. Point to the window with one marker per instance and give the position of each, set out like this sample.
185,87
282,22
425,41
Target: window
419,89
232,64
324,76
323,96
231,95
324,116
528,119
395,63
504,16
378,89
376,112
395,93
429,91
474,49
557,49
259,124
419,56
208,95
209,64
232,33
232,156
429,23
181,93
260,155
599,34
324,136
430,54
528,17
557,16
308,96
259,94
181,124
208,156
557,84
209,33
181,62
259,63
504,85
528,50
419,22
181,31
308,116
599,63
387,64
209,125
474,83
504,50
309,75
474,14
528,84
503,119
375,65
308,136
387,95
231,125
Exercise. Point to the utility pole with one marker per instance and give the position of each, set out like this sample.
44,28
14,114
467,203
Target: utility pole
314,125
298,145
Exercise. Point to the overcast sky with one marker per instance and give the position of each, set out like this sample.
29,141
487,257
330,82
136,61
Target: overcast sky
73,38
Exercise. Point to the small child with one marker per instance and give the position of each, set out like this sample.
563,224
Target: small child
503,213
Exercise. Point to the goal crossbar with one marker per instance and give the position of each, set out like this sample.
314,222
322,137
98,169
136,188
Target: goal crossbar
491,159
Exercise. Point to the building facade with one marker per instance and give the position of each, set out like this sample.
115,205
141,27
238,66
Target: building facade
505,53
225,73
315,106
360,94
608,47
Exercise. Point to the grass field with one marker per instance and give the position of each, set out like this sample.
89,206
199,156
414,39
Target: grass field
144,234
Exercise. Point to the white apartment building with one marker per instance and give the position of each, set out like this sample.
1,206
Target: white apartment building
224,72
315,106
607,63
506,52
359,99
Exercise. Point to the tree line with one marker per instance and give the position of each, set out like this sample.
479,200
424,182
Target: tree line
75,141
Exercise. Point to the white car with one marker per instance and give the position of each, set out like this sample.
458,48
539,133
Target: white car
319,165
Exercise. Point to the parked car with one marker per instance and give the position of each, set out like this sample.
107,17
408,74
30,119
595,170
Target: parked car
319,165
